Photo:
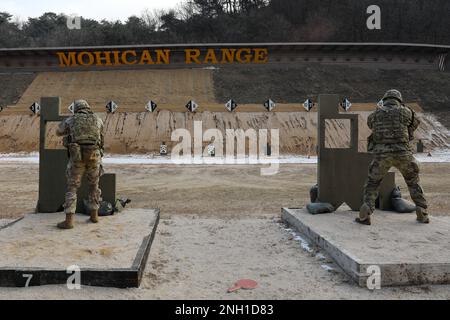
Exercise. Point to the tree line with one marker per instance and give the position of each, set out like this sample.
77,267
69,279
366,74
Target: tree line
203,21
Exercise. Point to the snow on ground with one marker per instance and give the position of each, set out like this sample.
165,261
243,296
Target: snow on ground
439,156
157,159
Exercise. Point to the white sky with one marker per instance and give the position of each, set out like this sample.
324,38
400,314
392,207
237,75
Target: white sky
94,9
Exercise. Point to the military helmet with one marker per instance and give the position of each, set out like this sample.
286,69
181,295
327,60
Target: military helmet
81,105
106,209
393,94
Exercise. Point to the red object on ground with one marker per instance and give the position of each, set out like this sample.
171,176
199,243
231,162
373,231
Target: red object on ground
244,284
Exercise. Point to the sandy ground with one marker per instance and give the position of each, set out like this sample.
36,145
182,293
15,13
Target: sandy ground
196,257
220,224
36,242
215,190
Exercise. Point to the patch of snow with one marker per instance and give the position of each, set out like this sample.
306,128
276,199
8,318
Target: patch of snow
303,243
21,157
327,267
156,159
439,156
320,256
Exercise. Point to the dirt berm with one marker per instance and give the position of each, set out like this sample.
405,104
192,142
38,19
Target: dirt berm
131,130
143,132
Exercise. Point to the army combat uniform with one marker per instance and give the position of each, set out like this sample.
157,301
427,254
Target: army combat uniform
83,137
393,126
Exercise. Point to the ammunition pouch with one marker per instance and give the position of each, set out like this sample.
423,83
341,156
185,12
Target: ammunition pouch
75,152
90,152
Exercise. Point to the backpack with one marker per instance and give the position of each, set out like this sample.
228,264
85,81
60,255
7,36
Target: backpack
391,125
85,129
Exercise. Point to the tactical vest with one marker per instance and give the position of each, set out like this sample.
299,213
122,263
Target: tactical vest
85,129
391,125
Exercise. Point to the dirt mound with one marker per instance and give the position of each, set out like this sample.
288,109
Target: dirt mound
143,132
129,89
12,86
133,131
172,89
293,84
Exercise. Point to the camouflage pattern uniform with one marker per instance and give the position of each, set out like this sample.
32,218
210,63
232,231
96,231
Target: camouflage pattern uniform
83,137
393,125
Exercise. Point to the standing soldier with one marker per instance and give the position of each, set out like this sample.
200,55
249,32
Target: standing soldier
393,125
83,137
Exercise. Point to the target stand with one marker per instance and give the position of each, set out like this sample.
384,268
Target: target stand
111,253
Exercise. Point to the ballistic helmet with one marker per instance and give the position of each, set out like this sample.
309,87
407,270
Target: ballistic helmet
393,94
80,105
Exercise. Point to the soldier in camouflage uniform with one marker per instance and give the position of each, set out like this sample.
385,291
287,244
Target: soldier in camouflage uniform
393,125
83,137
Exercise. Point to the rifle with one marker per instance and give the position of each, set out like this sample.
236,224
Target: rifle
66,143
414,123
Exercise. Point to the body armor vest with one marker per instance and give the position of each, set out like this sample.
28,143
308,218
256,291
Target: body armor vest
391,125
85,129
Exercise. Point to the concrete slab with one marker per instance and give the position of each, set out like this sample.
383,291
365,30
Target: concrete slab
111,253
406,252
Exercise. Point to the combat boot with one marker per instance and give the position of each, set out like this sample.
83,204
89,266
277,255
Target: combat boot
422,215
68,223
364,215
94,216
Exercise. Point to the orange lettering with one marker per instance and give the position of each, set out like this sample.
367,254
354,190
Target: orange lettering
247,56
116,58
162,55
192,56
81,56
125,57
228,55
210,56
106,58
68,60
261,55
146,58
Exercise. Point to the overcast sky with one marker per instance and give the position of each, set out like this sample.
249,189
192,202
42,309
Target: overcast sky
95,9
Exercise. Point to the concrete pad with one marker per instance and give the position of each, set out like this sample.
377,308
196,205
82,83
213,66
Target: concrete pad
406,251
112,252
